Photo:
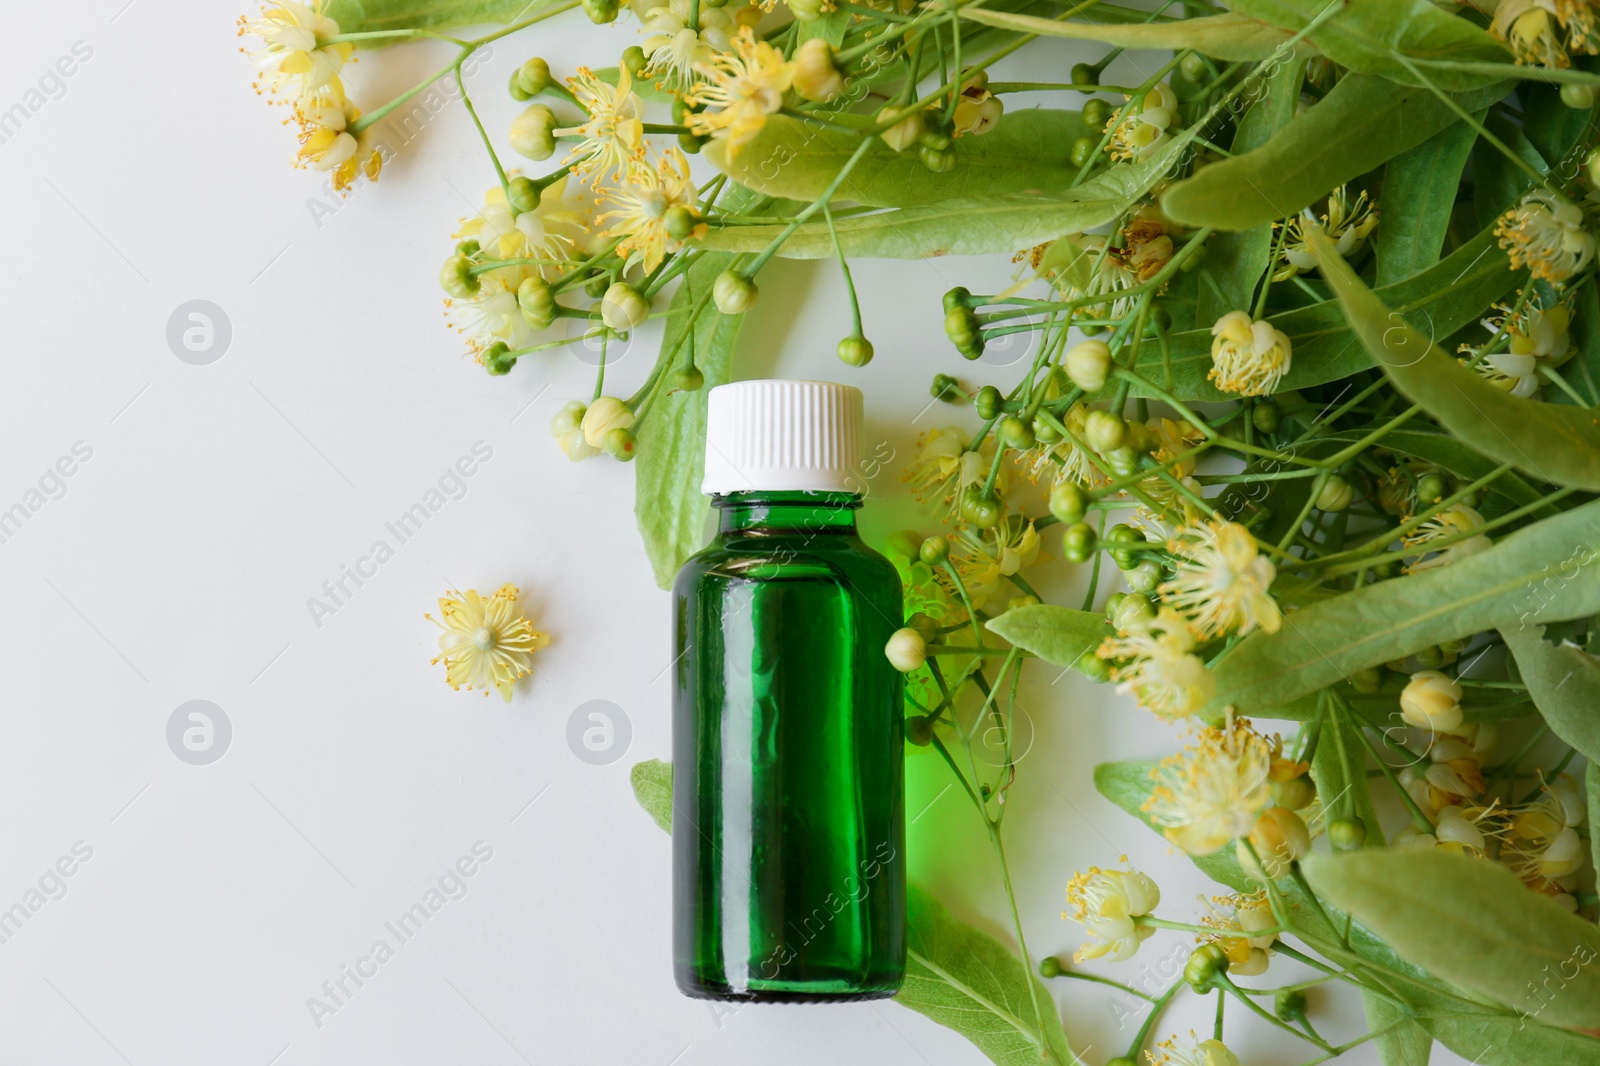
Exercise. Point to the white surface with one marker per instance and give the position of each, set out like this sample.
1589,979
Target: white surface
179,559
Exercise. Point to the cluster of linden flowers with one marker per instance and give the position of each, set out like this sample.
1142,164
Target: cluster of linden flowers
1538,840
1548,33
1535,334
300,61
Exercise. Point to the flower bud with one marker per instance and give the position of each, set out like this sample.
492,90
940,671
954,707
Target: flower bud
600,12
919,730
1580,97
1094,668
1279,838
457,278
1014,433
957,297
1104,431
1049,966
1140,438
624,308
531,79
906,127
1078,542
982,509
815,76
522,194
679,222
1083,150
733,293
1347,834
1431,700
934,550
946,388
1088,363
619,444
1267,415
688,379
1096,113
906,650
1085,74
1131,610
537,302
532,133
567,428
1431,488
961,326
497,359
1296,793
855,351
1068,502
987,402
634,60
1289,1004
1336,494
1144,577
1205,963
604,415
806,10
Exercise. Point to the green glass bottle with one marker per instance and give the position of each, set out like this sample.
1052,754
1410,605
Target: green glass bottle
788,787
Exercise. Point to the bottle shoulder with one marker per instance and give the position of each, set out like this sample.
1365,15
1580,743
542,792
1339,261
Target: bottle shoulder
777,557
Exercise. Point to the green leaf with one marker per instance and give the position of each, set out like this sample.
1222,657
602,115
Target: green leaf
1227,36
1408,1044
1339,790
968,981
1363,122
1471,923
1419,192
973,225
831,27
364,16
1488,1036
1371,36
1027,151
671,456
1330,640
1557,443
1498,183
652,787
1458,458
1563,680
1236,261
1057,635
1449,295
1591,787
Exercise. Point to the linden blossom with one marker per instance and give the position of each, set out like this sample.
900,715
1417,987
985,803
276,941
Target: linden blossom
452,485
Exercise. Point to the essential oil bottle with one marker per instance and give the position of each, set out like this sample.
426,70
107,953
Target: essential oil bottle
788,827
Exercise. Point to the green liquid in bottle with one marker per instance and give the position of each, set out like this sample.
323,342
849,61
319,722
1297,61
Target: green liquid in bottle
788,792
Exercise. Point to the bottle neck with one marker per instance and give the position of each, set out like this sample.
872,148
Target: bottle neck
787,512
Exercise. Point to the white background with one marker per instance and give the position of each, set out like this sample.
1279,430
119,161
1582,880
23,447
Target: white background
218,499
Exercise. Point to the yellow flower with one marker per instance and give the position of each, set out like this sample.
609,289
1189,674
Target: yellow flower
296,60
643,203
1081,267
1221,581
984,565
1157,664
550,232
978,110
943,467
1064,460
1542,32
1238,921
486,641
1545,233
1542,843
1453,521
742,88
1345,224
613,138
1209,794
326,143
1201,1053
1144,130
674,49
1248,358
1105,903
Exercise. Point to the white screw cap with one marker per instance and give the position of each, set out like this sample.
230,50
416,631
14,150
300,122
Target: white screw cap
782,436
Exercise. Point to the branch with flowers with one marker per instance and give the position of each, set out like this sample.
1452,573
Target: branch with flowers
1310,414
